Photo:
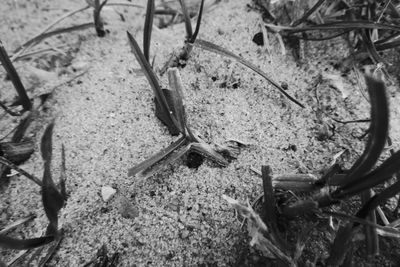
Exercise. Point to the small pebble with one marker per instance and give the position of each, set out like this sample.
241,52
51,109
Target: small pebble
107,192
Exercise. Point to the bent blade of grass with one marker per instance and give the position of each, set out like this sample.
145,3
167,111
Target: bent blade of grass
148,25
52,199
188,23
196,31
22,244
45,35
378,133
138,169
165,110
19,87
51,25
222,51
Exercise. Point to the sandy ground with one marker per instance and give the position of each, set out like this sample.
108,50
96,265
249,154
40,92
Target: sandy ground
105,118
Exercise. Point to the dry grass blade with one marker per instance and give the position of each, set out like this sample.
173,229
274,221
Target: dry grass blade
222,51
9,111
53,200
270,207
258,232
11,165
165,110
188,24
12,73
148,25
20,244
205,150
149,163
15,224
340,25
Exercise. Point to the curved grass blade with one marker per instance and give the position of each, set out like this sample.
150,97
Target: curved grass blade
21,244
188,24
167,118
45,35
148,24
196,31
222,51
58,20
52,199
378,134
12,73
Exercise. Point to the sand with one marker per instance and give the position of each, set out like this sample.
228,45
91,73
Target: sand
105,118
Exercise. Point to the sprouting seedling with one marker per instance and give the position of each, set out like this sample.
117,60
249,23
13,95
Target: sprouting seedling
170,110
12,73
190,35
176,60
53,198
98,21
188,142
